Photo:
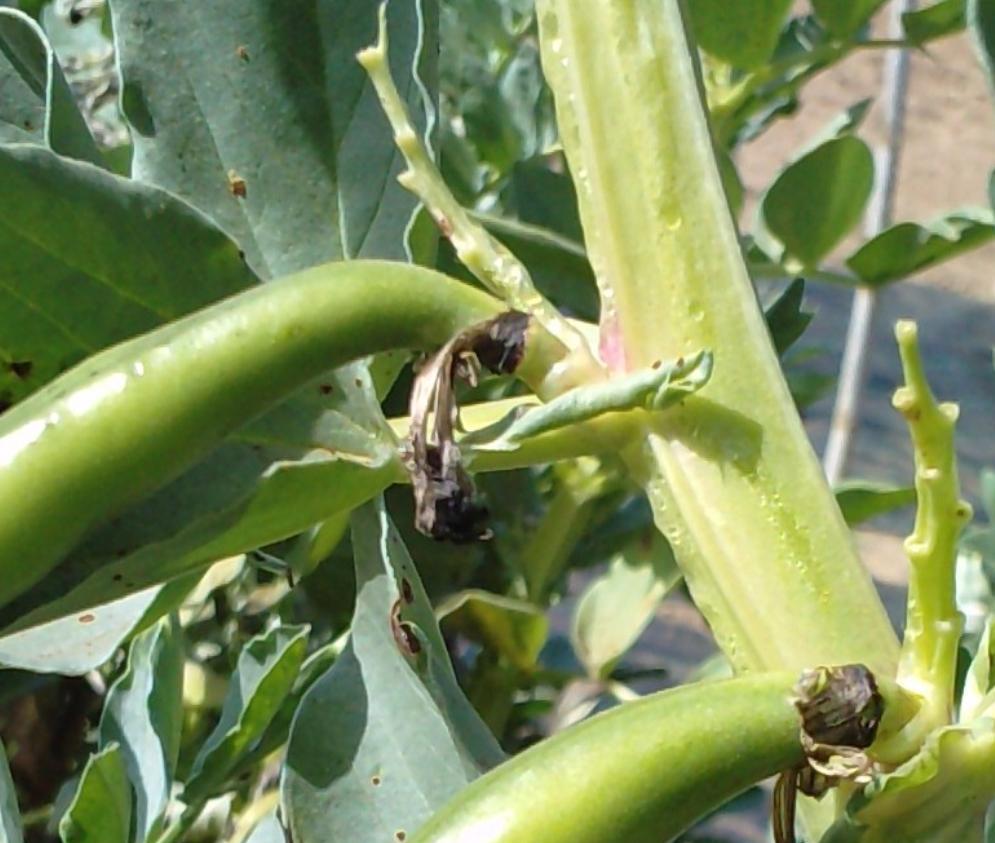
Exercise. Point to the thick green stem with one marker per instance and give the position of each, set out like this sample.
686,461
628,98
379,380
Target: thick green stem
929,651
731,476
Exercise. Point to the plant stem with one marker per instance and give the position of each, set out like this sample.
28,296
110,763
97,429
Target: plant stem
933,626
730,474
485,257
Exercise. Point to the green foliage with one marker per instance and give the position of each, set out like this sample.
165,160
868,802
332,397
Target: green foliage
101,809
935,21
37,106
843,17
266,672
143,716
816,201
360,691
743,34
907,248
389,705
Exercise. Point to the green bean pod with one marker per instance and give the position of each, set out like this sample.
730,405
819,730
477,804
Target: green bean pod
130,419
640,773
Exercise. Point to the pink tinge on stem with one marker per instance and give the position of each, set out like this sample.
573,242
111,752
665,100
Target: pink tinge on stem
610,346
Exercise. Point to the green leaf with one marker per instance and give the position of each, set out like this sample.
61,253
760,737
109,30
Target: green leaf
743,33
37,105
267,668
143,715
819,198
861,500
845,17
939,795
101,809
79,643
386,736
981,20
11,830
240,498
293,116
935,21
785,318
616,607
907,248
272,93
88,259
275,736
541,197
511,628
980,678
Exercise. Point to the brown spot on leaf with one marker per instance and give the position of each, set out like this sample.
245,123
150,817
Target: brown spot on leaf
406,591
117,577
359,383
656,364
237,185
88,617
326,389
242,52
376,781
403,632
20,369
400,836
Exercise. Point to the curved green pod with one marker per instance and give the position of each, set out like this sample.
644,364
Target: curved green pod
642,772
133,417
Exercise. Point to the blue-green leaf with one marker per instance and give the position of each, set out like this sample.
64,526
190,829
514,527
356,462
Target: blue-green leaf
36,104
143,714
271,93
268,830
78,643
386,736
11,830
266,671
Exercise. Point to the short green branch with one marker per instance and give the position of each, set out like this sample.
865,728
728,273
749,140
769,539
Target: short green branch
493,264
933,626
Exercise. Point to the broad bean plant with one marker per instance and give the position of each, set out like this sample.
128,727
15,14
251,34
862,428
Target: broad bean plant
340,341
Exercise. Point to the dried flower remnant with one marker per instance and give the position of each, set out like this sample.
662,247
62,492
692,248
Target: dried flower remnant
445,508
841,709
